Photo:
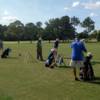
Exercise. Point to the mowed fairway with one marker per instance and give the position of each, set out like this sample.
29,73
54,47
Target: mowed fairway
24,78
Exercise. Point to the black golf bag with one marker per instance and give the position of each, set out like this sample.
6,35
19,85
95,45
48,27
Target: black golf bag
87,72
5,53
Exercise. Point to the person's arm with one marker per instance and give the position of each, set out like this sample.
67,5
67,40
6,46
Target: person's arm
71,46
84,48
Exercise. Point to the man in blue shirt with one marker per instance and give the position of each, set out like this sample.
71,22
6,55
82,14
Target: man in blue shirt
77,55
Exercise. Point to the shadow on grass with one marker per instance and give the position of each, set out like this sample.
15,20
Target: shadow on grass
64,66
95,81
95,62
12,58
6,98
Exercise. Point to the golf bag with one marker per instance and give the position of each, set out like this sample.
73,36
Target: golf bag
5,53
49,61
60,60
87,72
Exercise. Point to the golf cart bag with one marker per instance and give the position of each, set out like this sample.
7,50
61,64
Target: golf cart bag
87,72
5,53
50,61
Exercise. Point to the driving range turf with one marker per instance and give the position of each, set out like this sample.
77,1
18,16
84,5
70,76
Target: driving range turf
22,77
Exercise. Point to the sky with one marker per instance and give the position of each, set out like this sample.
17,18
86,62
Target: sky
43,10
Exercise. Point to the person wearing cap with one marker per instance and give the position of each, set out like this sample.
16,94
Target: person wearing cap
50,62
39,49
77,56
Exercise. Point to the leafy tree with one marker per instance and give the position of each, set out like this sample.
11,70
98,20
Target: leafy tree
83,35
29,31
98,36
93,35
51,29
39,29
66,27
62,28
59,28
75,21
3,28
89,24
16,29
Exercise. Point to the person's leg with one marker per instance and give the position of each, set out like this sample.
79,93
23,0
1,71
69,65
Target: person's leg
53,64
81,65
1,51
40,54
73,64
41,57
37,54
75,75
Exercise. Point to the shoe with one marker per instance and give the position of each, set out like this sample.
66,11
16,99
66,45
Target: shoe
76,79
52,67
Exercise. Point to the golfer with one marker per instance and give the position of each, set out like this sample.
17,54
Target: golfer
39,49
77,56
56,43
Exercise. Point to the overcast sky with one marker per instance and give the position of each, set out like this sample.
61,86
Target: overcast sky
43,10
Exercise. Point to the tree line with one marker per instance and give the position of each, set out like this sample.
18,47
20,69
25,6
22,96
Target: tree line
63,28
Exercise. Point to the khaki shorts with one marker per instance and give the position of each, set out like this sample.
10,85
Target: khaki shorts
76,63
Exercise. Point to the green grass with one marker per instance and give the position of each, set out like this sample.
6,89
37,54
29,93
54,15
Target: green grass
25,78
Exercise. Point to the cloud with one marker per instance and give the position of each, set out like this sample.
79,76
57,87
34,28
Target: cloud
87,5
6,17
91,5
75,4
66,8
9,18
93,14
5,12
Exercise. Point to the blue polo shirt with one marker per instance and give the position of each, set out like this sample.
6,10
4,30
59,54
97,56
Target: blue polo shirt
77,50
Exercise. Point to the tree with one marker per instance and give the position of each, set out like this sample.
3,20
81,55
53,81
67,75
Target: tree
3,28
93,35
62,28
16,29
83,35
75,21
39,24
59,28
39,29
30,31
89,24
98,36
66,27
